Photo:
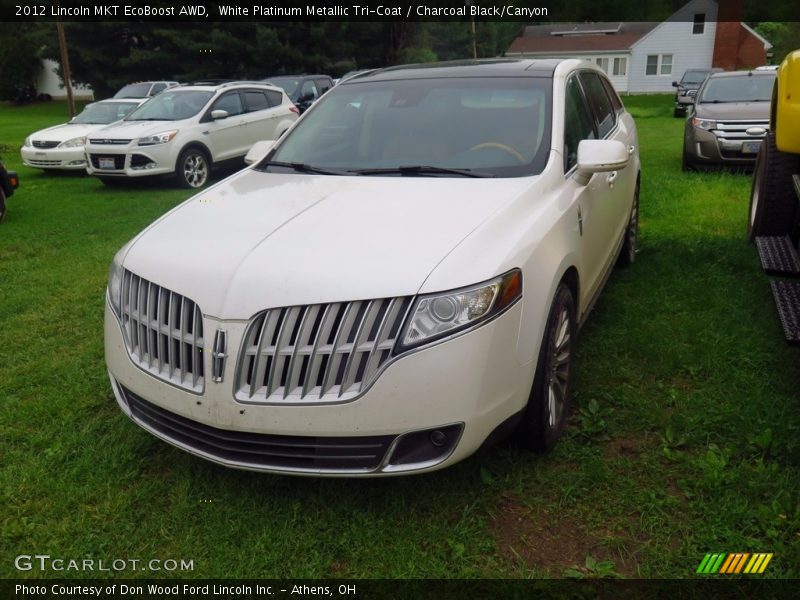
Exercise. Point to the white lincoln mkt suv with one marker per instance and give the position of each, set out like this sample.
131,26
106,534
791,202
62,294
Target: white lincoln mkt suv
392,284
188,130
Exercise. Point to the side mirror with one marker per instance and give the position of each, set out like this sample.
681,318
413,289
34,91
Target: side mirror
219,114
599,156
258,151
674,84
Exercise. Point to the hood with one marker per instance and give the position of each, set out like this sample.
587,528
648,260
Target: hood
67,131
137,129
733,111
262,240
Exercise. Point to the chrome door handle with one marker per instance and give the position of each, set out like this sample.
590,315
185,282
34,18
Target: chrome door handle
612,177
631,150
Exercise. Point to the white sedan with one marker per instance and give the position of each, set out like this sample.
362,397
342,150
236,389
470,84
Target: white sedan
397,282
62,146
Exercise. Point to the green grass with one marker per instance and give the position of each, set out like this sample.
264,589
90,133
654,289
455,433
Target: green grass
683,441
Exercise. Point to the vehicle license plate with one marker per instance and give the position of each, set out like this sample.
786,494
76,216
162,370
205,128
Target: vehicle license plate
750,147
105,163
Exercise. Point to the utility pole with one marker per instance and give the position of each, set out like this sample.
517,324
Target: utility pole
62,46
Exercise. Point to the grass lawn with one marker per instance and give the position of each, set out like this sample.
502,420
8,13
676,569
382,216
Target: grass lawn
685,438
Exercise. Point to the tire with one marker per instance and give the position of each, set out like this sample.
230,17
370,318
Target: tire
2,205
548,405
627,255
773,205
677,113
193,168
686,166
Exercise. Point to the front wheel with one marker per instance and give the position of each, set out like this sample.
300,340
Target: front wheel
193,168
546,414
2,205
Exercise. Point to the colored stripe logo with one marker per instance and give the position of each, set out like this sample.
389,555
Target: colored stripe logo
734,563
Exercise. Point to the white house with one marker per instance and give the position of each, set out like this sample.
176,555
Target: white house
50,83
648,57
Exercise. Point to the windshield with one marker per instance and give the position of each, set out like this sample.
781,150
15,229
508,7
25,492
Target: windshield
134,90
492,126
745,88
289,84
103,113
694,77
171,106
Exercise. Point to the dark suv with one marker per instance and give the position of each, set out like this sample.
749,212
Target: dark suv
303,90
9,181
687,89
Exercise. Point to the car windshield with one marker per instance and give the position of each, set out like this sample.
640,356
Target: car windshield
171,106
694,77
134,90
289,84
471,126
103,113
744,88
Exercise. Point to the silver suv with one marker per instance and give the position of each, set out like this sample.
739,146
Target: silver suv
188,130
730,119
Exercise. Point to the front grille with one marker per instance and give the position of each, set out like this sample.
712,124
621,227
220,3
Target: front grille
107,142
737,130
317,353
39,144
348,454
163,332
44,163
119,160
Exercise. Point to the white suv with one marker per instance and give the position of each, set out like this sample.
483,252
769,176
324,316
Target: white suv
397,282
188,130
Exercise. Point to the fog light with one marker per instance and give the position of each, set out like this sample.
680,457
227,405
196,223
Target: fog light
438,438
424,448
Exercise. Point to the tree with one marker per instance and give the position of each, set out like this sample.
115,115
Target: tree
20,63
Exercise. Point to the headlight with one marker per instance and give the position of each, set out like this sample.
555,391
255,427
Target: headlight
73,143
115,284
706,124
27,142
158,138
435,316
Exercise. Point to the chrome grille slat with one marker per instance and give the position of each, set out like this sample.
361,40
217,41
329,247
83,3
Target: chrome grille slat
160,328
317,353
315,360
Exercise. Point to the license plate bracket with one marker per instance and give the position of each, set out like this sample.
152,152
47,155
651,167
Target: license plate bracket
105,162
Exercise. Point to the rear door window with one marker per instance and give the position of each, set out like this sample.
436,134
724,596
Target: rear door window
604,113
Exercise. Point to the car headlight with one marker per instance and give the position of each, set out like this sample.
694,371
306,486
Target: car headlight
27,142
73,143
435,316
706,124
115,284
158,138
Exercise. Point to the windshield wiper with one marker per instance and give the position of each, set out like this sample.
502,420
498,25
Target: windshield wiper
303,168
414,170
151,119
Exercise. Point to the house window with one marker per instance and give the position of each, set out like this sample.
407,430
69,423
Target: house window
659,64
620,66
666,64
602,63
652,64
699,25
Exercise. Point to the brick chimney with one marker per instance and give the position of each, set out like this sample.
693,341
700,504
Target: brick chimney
729,30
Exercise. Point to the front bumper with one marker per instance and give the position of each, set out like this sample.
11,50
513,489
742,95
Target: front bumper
130,160
463,388
54,158
704,147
